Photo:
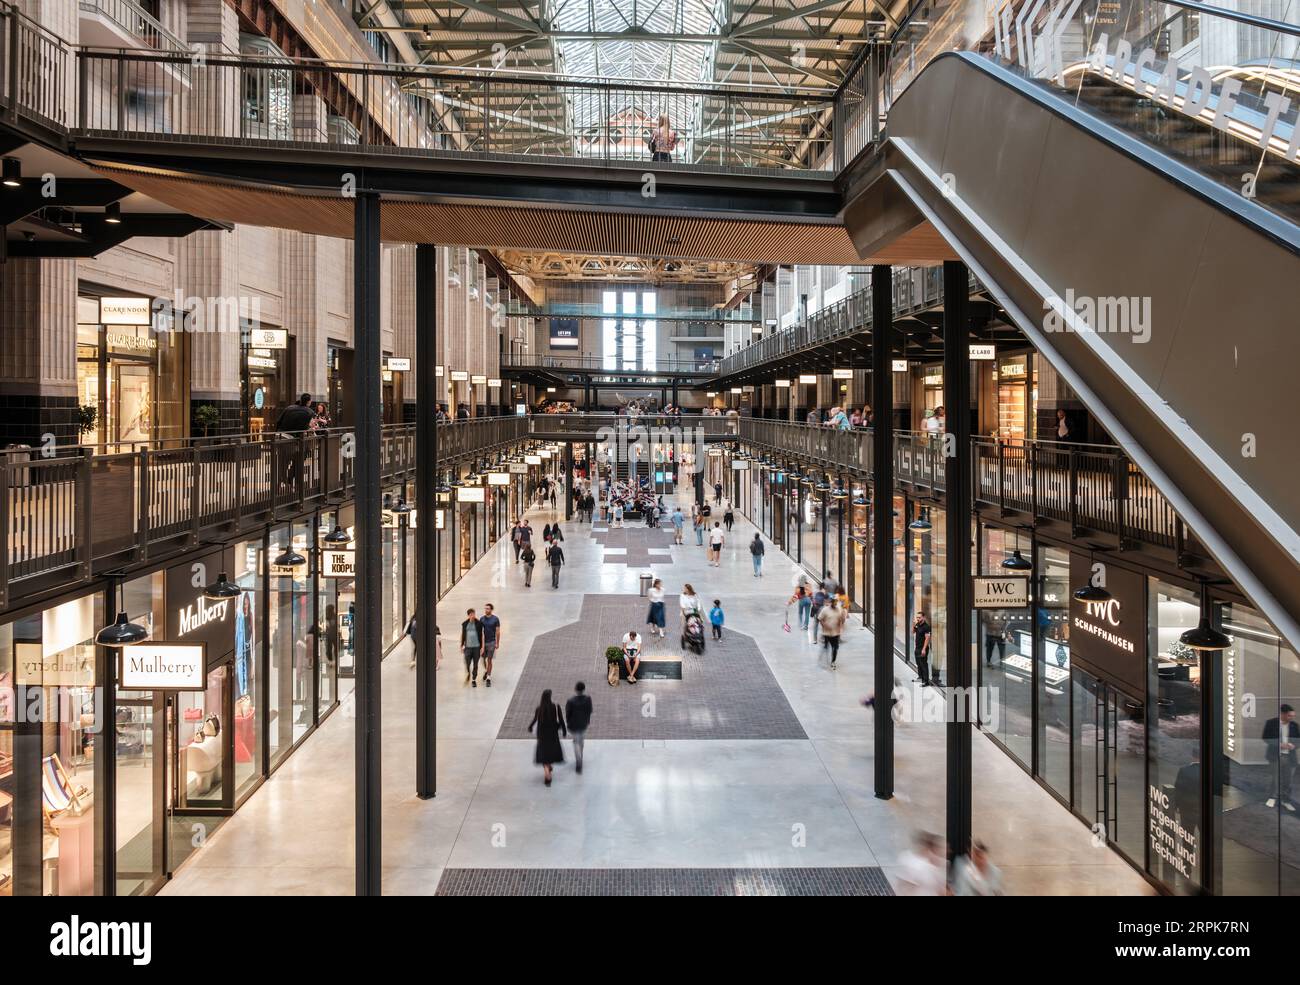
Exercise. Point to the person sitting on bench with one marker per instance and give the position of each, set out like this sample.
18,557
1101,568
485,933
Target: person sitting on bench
631,654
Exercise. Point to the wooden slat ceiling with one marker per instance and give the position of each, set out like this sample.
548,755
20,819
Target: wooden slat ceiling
645,234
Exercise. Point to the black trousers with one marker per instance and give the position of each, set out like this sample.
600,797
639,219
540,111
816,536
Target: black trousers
991,641
834,643
555,576
471,661
923,666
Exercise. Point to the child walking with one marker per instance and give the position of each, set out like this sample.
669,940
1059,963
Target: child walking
716,618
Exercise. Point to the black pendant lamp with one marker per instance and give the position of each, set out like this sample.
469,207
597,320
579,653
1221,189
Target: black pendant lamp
123,632
1091,592
1205,636
222,590
289,558
338,536
1017,562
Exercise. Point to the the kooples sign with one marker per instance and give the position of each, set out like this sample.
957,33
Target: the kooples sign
193,619
1110,636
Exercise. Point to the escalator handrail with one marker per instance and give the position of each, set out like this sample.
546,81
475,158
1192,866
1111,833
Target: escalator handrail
1253,20
1262,220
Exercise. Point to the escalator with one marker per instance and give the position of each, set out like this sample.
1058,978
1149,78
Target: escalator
1114,232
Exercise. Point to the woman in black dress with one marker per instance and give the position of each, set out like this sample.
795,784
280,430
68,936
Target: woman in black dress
549,720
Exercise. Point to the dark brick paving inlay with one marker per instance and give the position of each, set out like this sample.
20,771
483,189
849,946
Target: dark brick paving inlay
637,542
728,693
862,881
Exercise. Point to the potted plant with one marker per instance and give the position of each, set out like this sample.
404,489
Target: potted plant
613,654
87,415
206,416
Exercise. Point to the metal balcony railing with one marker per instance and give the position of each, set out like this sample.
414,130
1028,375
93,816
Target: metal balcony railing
136,21
915,289
83,510
1090,487
609,367
37,73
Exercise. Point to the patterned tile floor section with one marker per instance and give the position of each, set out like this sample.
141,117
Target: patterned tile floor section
637,547
728,693
860,881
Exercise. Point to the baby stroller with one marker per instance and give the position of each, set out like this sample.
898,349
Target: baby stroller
693,633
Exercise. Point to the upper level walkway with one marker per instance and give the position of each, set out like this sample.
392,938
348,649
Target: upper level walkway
79,512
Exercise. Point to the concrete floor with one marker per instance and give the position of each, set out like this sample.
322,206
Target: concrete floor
640,803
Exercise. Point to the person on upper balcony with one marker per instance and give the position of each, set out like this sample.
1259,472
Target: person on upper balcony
662,140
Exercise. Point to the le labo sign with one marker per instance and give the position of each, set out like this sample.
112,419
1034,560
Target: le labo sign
1000,592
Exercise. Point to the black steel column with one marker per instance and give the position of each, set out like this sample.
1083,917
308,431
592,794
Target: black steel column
426,503
369,588
957,502
568,481
882,509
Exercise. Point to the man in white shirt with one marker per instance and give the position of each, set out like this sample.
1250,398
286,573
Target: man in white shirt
715,545
631,654
923,869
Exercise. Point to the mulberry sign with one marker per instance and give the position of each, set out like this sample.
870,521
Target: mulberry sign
164,667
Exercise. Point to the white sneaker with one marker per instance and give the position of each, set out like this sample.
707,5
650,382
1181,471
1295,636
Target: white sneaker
1271,802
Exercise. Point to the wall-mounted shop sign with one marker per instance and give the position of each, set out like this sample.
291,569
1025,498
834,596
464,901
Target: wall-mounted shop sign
190,617
532,459
494,384
842,374
498,478
438,372
478,380
982,352
338,564
781,383
807,377
934,378
125,311
164,667
471,494
737,465
564,333
999,592
440,520
135,343
262,362
268,338
1011,367
459,376
398,365
899,365
519,468
1110,636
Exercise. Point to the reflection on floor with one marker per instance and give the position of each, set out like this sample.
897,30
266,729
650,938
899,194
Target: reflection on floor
826,881
793,797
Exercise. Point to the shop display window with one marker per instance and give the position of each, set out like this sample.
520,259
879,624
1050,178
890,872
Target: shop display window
289,714
248,723
1005,647
1052,643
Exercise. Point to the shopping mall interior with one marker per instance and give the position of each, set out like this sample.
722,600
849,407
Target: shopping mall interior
862,420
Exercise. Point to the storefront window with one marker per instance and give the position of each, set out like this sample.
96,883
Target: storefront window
1257,825
141,739
1052,639
1006,647
929,581
289,715
248,648
902,583
1174,750
47,669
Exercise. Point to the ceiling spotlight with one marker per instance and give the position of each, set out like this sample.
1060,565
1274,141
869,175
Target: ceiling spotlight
839,40
113,213
221,590
12,172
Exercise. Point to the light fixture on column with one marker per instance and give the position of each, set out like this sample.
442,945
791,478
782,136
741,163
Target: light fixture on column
1205,636
113,213
13,173
221,590
1017,562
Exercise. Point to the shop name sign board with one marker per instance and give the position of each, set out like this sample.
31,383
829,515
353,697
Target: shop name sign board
739,465
125,311
268,338
139,343
262,362
191,618
899,365
338,564
399,365
982,352
518,468
999,592
1110,636
164,667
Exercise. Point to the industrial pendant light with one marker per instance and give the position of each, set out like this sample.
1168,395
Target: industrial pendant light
123,632
13,172
222,590
1205,636
113,213
922,523
1017,562
289,558
1091,592
338,536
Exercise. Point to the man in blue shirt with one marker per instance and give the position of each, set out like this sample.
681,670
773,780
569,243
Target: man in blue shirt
678,522
491,641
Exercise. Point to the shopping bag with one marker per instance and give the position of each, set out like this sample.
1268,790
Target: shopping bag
612,674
